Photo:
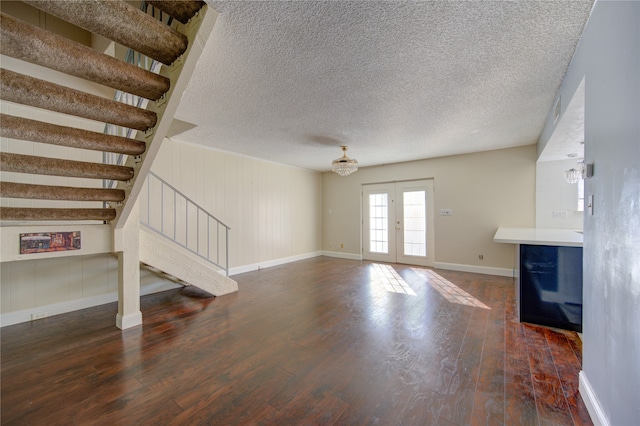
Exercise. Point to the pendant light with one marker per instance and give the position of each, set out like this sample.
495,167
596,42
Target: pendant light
344,165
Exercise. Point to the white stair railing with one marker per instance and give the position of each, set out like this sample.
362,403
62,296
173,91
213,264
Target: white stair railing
170,213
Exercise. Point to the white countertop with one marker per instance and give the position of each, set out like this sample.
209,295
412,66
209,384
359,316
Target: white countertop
539,236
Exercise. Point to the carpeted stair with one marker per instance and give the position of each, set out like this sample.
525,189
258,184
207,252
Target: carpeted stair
117,21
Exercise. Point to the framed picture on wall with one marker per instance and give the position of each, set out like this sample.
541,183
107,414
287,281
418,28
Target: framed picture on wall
43,242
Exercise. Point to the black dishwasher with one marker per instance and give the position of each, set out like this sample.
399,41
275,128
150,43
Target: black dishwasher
551,286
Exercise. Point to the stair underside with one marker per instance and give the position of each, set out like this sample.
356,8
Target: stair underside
160,253
117,21
124,24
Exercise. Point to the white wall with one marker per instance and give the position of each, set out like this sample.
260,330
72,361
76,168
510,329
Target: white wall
608,58
485,190
273,210
58,285
555,195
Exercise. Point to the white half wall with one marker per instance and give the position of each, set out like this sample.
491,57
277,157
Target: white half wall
55,286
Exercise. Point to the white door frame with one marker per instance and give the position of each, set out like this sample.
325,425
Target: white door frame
395,221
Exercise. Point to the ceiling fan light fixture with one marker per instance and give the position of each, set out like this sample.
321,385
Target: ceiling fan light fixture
344,165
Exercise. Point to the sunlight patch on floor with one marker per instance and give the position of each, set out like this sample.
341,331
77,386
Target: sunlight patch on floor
449,290
391,280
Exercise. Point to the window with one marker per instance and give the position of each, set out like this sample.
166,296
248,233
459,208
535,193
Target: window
379,223
415,223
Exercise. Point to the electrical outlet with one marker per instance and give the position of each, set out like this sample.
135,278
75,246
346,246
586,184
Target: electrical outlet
39,315
560,214
446,212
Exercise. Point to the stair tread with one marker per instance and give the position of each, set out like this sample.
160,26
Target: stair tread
122,23
33,44
39,93
54,192
181,10
20,163
41,214
37,131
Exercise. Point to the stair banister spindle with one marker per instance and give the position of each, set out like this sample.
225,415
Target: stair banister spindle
186,221
201,230
149,200
226,252
198,228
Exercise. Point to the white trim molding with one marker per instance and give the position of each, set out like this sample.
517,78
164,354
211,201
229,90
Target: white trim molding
128,321
487,270
274,262
594,408
341,255
17,317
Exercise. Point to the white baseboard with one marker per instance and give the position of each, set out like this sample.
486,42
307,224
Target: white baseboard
487,270
591,401
275,262
342,255
17,317
128,321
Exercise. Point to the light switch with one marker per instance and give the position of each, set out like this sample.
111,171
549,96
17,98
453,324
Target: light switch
446,212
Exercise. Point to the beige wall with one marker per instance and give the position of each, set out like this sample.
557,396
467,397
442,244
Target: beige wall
63,284
485,190
273,210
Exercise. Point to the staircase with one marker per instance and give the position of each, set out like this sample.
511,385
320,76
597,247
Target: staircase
124,24
177,46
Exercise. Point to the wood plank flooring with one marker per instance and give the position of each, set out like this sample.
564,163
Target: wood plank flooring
320,341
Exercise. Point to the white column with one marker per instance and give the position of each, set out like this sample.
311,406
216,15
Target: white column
127,245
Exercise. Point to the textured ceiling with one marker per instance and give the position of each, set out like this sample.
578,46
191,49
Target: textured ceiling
291,81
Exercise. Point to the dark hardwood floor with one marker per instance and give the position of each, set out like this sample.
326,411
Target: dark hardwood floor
320,341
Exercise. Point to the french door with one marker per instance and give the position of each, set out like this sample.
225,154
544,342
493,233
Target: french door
398,222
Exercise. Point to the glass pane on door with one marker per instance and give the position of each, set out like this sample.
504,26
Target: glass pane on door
415,223
378,223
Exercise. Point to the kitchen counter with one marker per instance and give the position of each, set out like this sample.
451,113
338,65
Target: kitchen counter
539,236
549,275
